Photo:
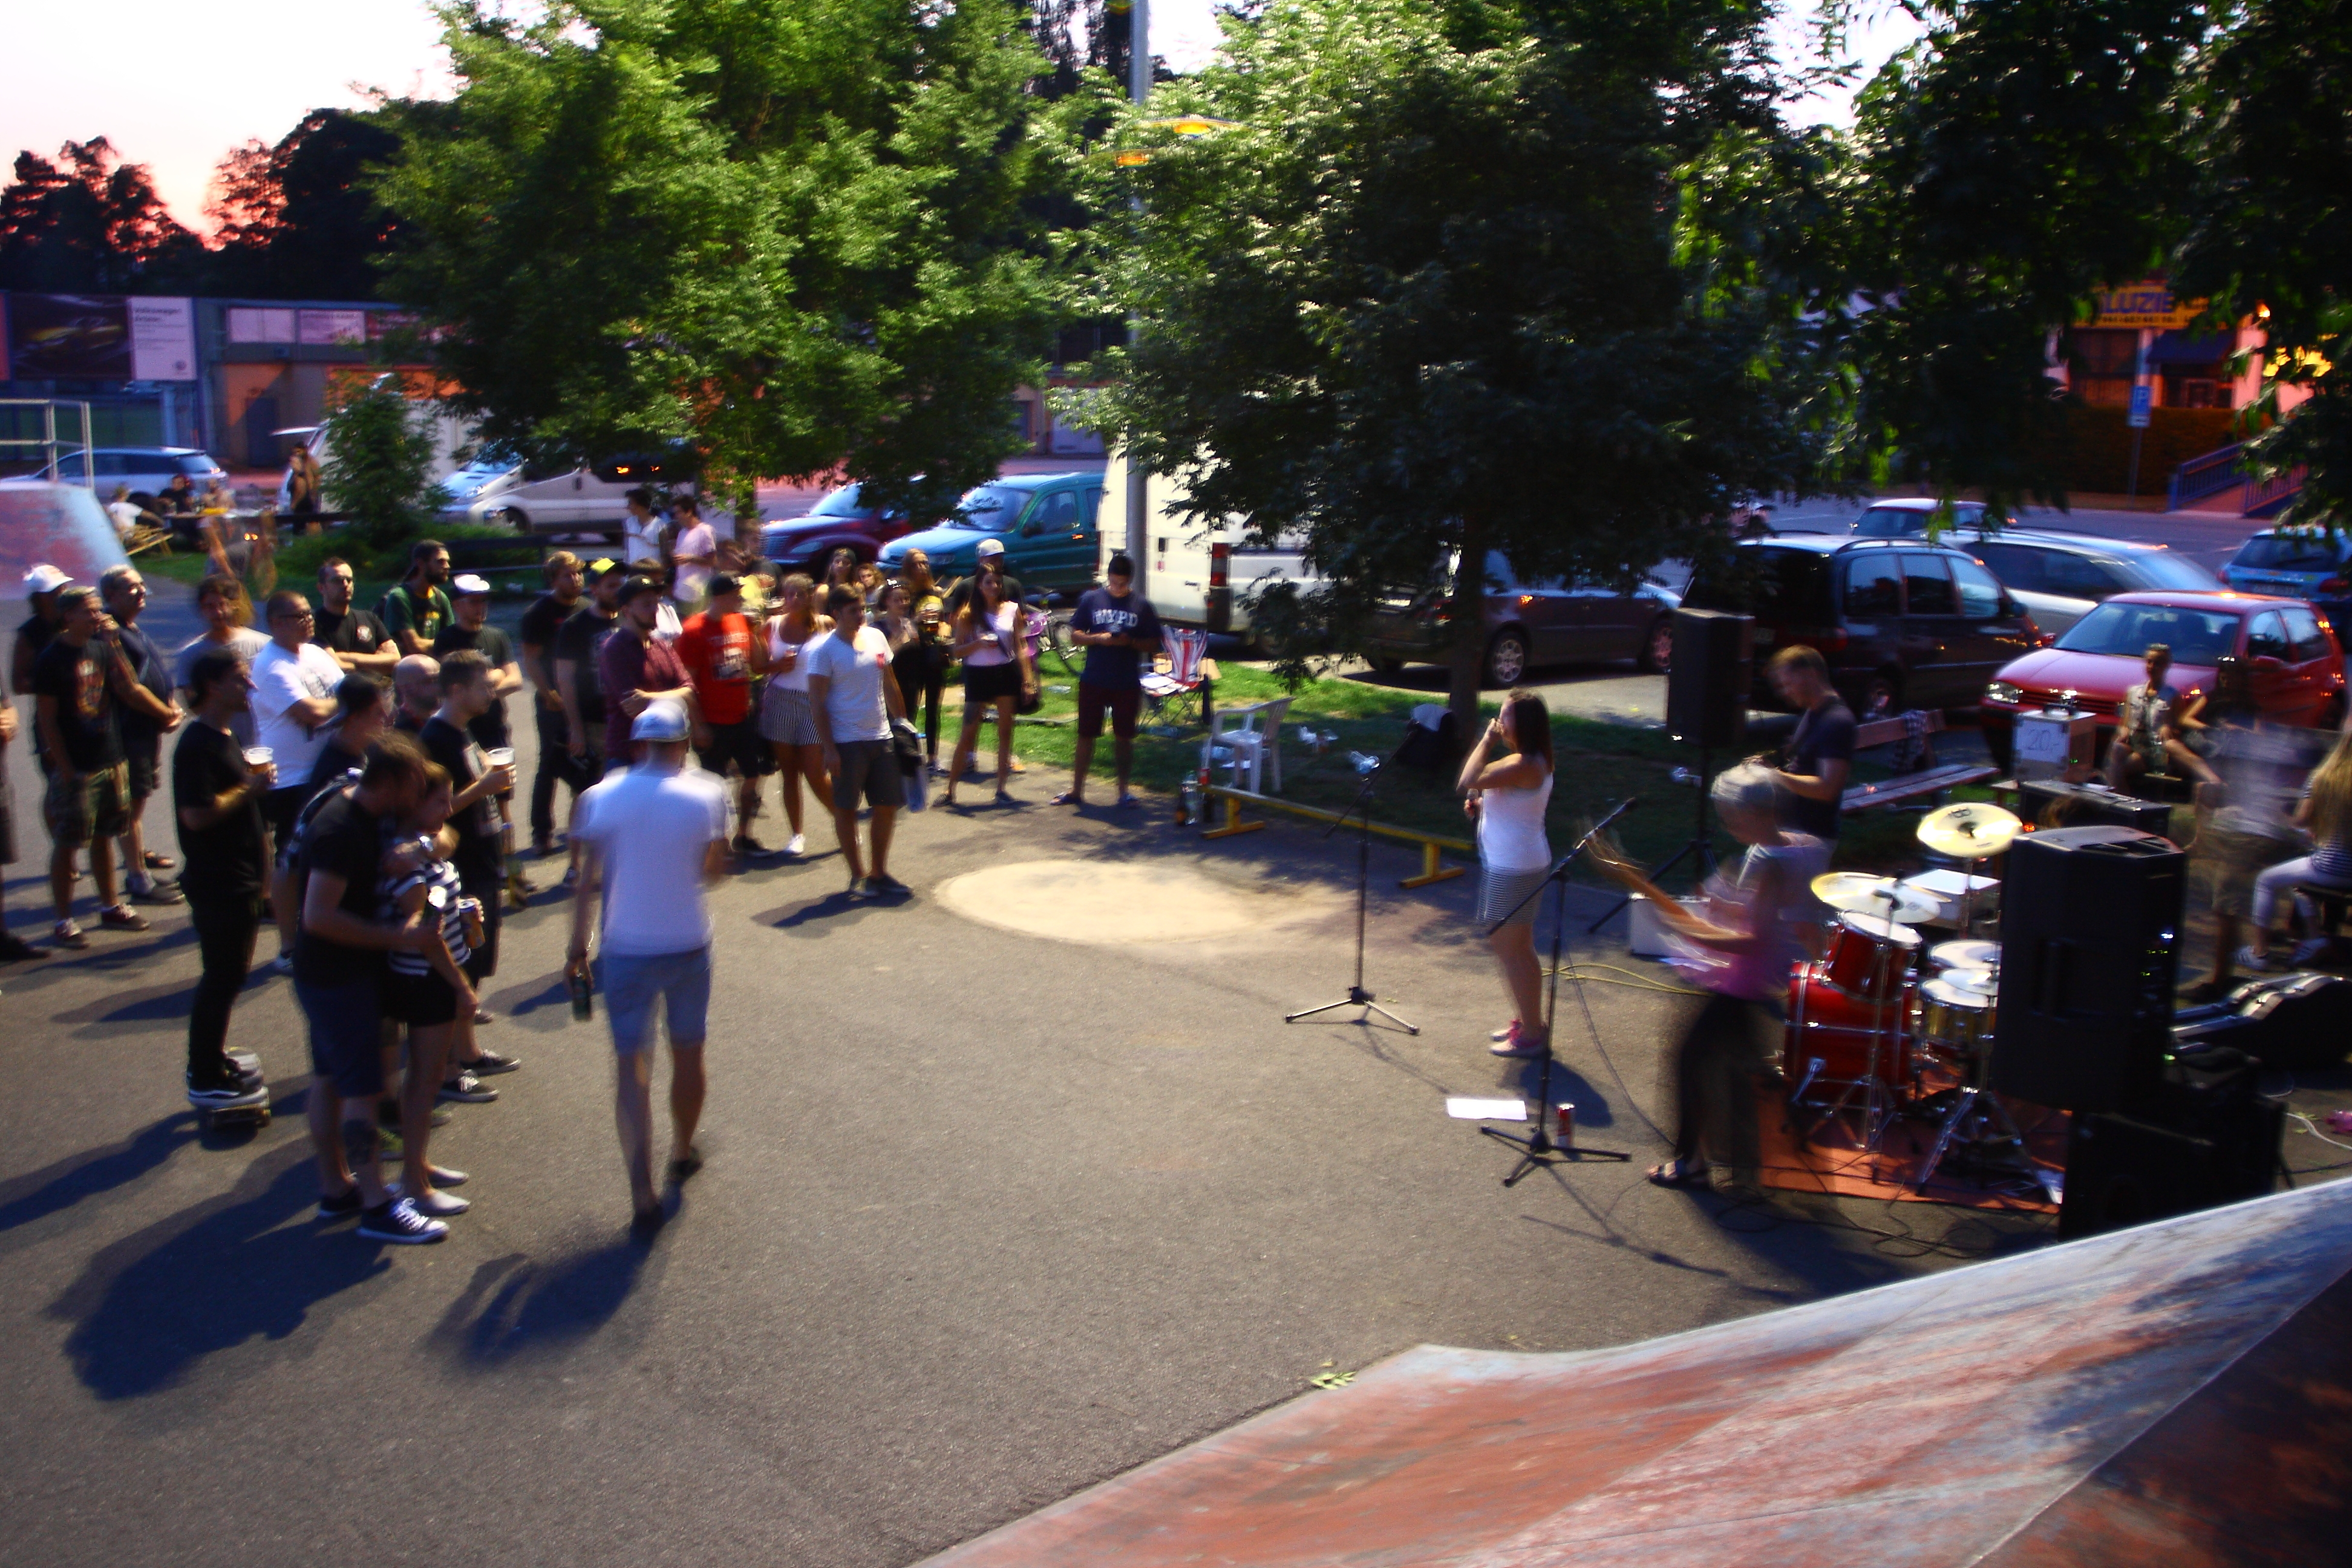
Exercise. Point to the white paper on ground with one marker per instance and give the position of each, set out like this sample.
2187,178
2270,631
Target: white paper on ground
1462,1109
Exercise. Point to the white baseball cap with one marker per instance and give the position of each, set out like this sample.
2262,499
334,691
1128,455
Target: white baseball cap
663,720
45,579
469,583
989,547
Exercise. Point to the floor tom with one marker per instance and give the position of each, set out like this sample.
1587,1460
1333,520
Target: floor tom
1869,956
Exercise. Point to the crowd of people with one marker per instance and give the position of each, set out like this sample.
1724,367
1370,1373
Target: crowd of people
348,776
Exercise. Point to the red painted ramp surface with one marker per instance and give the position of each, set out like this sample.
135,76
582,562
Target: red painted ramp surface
61,525
2180,1392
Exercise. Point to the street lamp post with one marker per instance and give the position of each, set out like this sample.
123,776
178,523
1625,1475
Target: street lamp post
1139,89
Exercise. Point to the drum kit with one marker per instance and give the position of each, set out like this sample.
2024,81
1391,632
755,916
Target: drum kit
1880,1009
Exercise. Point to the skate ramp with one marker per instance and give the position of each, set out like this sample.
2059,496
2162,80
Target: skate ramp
62,525
2180,1392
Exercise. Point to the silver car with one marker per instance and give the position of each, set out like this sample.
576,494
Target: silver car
2060,576
146,469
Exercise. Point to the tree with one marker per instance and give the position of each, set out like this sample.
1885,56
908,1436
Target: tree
91,224
2269,232
791,231
300,220
379,467
1462,281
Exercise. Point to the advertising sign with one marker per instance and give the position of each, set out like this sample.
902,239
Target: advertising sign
2149,303
162,338
329,329
79,337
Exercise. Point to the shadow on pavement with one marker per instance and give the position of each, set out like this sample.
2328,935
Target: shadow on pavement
208,1278
514,1306
38,1193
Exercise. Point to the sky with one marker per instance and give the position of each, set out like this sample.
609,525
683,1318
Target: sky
176,84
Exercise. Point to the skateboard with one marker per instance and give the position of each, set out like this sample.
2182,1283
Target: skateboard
253,1110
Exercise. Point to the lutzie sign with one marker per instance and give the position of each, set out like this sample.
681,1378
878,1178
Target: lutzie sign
2148,303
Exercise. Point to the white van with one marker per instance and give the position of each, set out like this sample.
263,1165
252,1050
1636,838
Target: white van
449,437
1196,576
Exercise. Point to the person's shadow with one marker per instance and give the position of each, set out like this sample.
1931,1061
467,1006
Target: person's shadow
514,1306
208,1279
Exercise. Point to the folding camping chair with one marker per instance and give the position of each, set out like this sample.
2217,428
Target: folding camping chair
1188,673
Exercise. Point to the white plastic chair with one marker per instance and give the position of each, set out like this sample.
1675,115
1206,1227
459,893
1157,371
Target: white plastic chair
1254,735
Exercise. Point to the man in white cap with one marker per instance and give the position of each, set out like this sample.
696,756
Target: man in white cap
42,585
650,839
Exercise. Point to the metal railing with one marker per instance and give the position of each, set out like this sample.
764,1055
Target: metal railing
2209,475
47,440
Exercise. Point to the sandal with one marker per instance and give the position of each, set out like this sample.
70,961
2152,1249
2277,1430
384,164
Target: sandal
1004,797
1067,797
158,862
1680,1173
1127,802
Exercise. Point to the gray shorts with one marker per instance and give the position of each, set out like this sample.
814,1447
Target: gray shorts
1500,890
869,768
635,982
786,718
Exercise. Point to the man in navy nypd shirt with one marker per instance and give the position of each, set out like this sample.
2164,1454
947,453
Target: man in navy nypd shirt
1116,627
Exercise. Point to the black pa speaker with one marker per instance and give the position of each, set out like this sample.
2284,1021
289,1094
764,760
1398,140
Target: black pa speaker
1709,682
2089,919
2206,1137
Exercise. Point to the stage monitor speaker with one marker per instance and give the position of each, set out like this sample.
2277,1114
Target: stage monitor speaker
2089,919
2207,1137
1709,682
2046,803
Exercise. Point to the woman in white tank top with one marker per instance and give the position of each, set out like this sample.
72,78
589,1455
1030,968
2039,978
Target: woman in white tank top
794,633
1507,799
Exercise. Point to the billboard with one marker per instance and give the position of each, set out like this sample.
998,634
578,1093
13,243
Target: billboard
101,337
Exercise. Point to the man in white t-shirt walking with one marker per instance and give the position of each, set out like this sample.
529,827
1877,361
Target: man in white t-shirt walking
695,552
649,839
853,697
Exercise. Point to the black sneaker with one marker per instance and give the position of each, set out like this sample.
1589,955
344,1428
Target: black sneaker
231,1090
886,887
468,1090
399,1222
490,1064
343,1208
15,949
860,889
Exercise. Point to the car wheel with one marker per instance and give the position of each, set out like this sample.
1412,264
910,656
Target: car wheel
517,519
1506,658
1657,651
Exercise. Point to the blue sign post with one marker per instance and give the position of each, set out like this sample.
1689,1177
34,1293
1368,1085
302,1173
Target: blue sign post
2140,404
2137,420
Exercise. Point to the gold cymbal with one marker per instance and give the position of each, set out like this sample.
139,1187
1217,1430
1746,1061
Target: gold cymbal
1969,829
1856,893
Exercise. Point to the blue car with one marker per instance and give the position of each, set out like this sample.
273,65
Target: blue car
1046,523
2298,563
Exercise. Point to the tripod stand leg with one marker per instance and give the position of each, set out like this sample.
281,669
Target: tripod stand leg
1326,1007
1391,1018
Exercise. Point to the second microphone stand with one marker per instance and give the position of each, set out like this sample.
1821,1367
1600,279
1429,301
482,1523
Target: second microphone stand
1357,996
1538,1149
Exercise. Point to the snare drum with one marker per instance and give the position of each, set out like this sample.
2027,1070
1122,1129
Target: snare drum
1869,956
1837,1027
1947,956
1956,1018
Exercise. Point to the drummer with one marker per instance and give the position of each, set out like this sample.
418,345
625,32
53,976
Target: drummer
1820,755
1740,951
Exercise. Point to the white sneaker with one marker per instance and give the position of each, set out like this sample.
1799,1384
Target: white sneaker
796,844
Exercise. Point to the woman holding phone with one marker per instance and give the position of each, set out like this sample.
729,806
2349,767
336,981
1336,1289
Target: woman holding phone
996,674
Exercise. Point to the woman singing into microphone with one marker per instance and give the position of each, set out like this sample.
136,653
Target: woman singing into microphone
1507,799
1739,949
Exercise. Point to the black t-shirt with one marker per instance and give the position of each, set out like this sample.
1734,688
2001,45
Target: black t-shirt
577,642
960,595
490,727
152,670
77,678
1099,610
349,631
1825,734
342,840
477,859
539,624
228,860
334,761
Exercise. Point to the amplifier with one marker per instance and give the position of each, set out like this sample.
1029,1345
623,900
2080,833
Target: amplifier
2206,1137
2047,803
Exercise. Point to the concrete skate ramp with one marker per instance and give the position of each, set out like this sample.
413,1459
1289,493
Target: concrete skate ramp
62,525
2180,1392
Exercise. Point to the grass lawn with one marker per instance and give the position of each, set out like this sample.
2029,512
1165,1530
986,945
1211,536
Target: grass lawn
1600,764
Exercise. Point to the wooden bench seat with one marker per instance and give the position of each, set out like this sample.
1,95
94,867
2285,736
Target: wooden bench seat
1928,781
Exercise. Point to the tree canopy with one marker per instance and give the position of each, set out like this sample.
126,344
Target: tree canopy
91,223
793,231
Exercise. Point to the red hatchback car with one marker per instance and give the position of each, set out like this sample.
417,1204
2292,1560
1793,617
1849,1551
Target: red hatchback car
2295,664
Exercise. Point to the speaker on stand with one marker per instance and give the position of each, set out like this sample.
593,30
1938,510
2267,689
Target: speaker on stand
1706,706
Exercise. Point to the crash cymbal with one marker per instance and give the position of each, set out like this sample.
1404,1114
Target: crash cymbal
1969,829
1852,892
1964,954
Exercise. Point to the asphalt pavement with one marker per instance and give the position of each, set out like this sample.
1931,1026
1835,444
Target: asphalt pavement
989,1216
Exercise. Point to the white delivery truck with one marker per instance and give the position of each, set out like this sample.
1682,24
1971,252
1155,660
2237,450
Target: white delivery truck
1194,575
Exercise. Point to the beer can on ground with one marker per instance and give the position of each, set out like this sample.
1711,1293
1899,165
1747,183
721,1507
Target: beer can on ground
1563,1130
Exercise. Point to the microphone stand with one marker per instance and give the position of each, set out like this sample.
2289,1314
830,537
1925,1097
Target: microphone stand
1537,1150
1357,996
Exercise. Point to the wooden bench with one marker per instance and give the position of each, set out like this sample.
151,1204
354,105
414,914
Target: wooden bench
1907,786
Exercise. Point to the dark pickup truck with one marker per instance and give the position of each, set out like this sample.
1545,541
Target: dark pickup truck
841,519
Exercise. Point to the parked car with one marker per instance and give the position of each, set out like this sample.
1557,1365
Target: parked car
1906,516
499,488
2308,563
2060,576
2295,666
1902,623
1526,624
841,519
1046,522
146,469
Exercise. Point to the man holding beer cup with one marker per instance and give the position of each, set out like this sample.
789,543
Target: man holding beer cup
477,778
